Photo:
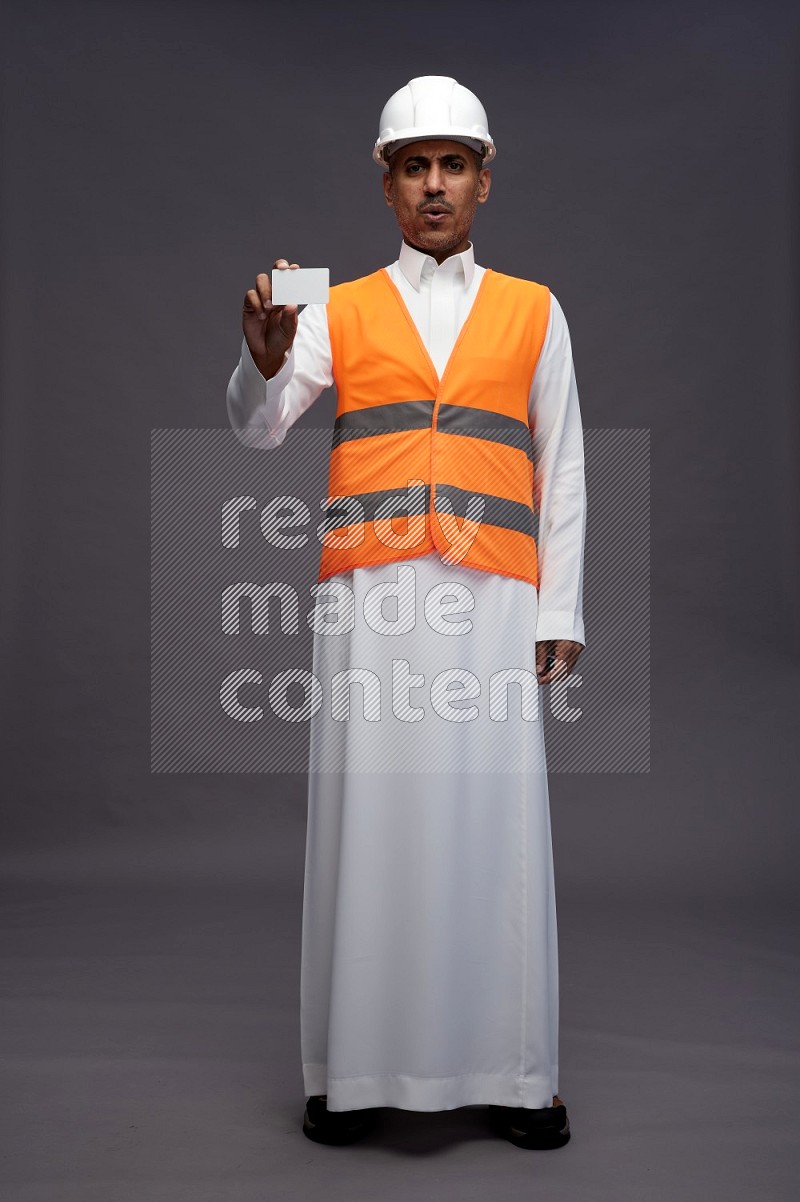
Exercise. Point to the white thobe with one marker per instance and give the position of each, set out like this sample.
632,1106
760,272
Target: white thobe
429,965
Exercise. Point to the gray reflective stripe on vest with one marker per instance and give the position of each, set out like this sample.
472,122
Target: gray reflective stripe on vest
465,420
412,501
382,419
485,423
497,511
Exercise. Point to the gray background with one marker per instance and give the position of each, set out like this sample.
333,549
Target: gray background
155,157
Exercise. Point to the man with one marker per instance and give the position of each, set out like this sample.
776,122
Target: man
429,975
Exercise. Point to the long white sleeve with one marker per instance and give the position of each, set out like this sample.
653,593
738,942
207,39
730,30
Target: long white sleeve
261,411
559,484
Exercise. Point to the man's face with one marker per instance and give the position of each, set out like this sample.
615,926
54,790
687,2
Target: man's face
436,174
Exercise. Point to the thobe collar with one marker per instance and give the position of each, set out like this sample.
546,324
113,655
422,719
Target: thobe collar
416,266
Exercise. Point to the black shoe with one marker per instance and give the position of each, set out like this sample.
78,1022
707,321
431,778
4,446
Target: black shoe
540,1129
335,1126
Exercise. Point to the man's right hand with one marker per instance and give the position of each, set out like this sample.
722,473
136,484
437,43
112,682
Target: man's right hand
269,329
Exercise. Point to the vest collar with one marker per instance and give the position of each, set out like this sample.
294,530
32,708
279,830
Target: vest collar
416,265
486,283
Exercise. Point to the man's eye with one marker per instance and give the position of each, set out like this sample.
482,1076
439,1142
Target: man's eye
412,167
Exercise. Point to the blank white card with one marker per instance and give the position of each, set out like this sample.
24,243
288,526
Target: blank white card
300,285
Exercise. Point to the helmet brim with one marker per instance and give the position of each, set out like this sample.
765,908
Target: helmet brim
385,148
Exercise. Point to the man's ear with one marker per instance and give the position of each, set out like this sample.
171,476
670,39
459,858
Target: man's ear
387,189
486,181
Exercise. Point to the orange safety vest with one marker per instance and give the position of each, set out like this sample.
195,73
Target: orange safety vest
419,464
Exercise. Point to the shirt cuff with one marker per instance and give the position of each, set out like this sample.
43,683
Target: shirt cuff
560,624
254,379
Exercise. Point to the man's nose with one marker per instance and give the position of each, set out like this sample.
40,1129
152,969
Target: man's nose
434,180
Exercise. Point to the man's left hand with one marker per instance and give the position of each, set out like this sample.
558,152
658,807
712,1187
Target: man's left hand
565,654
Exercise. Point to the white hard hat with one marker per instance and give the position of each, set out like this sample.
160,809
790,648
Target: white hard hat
433,106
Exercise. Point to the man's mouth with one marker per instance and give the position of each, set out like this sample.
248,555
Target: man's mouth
435,213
